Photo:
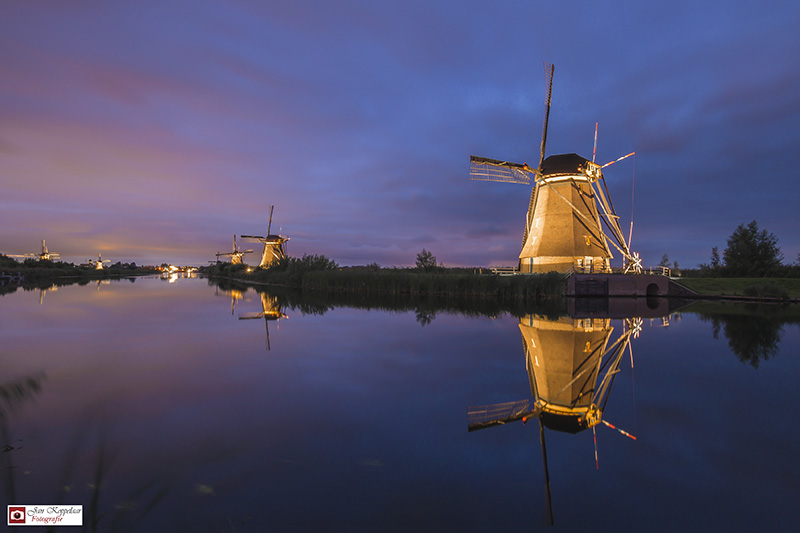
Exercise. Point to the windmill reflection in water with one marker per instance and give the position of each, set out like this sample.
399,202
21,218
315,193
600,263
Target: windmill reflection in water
270,311
571,365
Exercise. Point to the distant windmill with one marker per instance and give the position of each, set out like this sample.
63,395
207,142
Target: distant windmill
274,245
100,261
236,255
562,228
44,255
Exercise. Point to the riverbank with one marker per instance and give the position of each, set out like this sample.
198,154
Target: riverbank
745,288
482,284
469,283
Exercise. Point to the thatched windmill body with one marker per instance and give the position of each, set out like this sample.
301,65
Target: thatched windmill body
274,245
563,229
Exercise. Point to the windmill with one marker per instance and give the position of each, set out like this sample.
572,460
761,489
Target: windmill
563,228
571,369
270,311
44,255
100,261
274,245
236,255
565,358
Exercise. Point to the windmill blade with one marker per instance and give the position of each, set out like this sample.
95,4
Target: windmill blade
485,416
594,150
630,235
250,315
546,471
548,69
618,160
612,426
269,226
485,169
256,237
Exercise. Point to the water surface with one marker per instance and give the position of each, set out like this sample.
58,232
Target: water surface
180,406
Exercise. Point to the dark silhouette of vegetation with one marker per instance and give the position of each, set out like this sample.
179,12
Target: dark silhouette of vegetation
426,307
321,273
426,261
715,261
33,270
753,331
750,253
752,338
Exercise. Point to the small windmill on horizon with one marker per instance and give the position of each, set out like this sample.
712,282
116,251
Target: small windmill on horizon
44,255
274,245
236,255
563,231
99,264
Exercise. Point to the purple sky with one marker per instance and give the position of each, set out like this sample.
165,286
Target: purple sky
153,131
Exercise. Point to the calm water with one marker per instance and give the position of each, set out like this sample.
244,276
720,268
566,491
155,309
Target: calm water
192,412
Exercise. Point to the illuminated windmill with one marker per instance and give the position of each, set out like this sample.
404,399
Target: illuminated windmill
44,255
100,261
274,245
563,229
236,255
270,311
565,359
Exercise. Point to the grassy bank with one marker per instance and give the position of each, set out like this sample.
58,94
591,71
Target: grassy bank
374,281
753,287
41,270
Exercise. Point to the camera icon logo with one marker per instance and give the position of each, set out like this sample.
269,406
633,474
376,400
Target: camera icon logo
16,515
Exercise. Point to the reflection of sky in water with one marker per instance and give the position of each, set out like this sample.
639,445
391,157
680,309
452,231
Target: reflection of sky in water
357,419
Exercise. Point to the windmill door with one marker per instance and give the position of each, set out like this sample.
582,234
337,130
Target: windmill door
587,263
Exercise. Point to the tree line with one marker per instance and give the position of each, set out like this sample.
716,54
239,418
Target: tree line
751,252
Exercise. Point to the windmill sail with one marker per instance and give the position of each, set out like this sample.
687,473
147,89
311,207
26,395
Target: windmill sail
236,255
567,209
274,245
485,169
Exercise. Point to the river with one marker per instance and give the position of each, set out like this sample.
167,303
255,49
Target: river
182,406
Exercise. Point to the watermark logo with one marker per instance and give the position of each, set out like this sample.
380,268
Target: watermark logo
45,515
16,515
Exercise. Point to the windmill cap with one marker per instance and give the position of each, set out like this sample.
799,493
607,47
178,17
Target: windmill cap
563,423
565,164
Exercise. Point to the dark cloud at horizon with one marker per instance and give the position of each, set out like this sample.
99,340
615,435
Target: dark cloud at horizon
154,131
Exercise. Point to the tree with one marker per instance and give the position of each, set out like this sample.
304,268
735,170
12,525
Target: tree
426,261
715,257
751,252
664,261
